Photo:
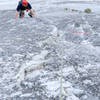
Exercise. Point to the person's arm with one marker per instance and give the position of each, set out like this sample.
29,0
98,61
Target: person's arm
16,15
17,10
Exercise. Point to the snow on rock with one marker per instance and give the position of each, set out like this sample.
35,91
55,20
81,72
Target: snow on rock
36,63
34,51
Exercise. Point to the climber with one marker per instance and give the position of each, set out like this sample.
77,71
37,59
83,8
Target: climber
22,6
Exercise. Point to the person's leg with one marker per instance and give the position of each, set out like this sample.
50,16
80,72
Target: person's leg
31,13
21,14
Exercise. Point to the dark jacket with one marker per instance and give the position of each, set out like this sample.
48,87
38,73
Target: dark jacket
21,7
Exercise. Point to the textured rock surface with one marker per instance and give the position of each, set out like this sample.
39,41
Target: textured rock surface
33,51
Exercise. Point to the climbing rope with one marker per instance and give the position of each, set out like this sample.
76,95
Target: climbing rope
61,69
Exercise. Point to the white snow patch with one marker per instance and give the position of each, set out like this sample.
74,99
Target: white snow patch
67,71
54,86
1,60
75,91
88,82
26,95
15,94
54,89
1,50
34,74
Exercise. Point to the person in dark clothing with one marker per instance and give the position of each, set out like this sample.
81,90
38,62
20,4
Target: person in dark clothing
22,6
